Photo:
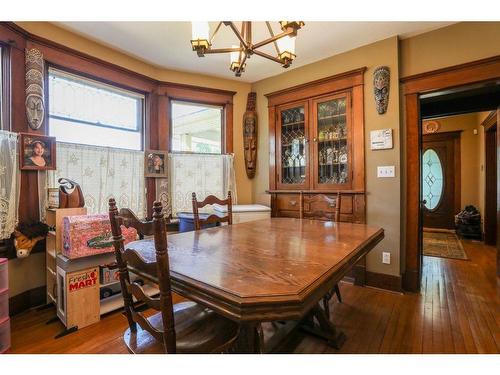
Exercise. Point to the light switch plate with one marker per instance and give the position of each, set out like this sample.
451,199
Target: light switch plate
386,171
386,257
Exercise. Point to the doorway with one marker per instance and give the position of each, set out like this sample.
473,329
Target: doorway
453,85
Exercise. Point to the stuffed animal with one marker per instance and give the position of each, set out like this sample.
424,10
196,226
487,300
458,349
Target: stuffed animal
26,237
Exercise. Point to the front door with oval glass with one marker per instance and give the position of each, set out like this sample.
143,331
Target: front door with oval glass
440,179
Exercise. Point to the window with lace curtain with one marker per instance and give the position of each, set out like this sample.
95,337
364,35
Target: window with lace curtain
1,89
99,132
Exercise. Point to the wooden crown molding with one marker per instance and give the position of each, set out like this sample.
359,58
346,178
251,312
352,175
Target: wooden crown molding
490,121
318,87
462,74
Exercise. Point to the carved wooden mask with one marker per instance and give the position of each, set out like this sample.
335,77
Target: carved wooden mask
35,101
250,136
381,81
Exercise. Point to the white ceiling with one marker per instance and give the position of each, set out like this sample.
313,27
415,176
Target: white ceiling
167,44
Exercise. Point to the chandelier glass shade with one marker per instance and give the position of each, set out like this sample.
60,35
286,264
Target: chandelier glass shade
284,43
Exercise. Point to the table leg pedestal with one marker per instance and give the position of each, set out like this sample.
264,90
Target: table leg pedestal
249,339
325,328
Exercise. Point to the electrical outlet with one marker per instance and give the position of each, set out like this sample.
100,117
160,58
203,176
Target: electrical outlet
386,257
386,171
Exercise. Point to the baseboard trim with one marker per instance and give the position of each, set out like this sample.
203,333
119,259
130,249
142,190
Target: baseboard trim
411,281
27,300
383,281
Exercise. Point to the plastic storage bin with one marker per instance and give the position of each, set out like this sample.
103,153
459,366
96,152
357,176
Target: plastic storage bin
4,277
4,304
186,221
4,335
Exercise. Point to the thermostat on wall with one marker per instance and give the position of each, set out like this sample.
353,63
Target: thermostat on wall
381,139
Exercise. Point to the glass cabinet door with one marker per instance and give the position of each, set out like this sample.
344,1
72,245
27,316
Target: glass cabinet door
292,146
332,151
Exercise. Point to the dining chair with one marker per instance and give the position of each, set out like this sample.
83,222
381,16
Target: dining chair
322,207
210,200
185,327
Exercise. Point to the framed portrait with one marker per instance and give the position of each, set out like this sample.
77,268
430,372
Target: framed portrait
37,152
155,163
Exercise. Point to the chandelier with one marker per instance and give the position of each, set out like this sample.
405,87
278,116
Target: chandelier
284,43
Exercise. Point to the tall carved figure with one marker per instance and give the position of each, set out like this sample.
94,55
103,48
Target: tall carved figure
250,124
35,93
381,85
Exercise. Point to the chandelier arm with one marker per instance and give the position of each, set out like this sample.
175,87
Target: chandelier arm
223,50
263,54
215,32
270,40
272,34
242,63
248,33
238,34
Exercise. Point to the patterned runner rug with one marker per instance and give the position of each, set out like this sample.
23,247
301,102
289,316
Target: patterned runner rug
446,245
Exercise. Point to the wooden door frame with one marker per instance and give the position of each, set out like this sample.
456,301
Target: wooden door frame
457,163
490,131
412,88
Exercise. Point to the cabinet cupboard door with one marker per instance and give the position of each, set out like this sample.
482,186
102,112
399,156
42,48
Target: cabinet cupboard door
332,139
292,142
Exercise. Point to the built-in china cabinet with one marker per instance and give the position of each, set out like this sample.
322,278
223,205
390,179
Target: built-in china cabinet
317,144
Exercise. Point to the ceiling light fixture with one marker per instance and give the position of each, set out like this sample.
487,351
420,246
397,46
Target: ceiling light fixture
284,43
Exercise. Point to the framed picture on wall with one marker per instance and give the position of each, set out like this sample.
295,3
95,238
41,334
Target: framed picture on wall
155,163
37,152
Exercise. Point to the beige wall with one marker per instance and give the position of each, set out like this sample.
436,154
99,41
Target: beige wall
383,195
469,155
452,45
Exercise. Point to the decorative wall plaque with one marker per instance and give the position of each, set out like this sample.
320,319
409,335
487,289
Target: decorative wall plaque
381,81
431,127
250,135
35,100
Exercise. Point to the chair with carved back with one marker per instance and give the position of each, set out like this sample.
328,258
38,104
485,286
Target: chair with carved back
320,207
213,218
185,327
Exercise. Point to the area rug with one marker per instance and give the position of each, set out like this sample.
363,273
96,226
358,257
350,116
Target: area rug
446,245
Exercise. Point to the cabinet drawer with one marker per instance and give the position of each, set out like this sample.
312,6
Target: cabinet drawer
288,202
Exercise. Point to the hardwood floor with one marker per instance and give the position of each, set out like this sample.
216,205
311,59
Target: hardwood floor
457,311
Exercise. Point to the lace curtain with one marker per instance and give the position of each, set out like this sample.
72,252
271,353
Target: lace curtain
9,183
203,174
102,173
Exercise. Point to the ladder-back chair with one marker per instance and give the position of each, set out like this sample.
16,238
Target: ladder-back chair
210,200
185,327
322,207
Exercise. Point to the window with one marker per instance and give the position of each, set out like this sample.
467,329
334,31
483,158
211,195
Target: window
1,88
432,179
89,112
196,128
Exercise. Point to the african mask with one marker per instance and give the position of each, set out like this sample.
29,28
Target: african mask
35,110
250,136
35,102
381,81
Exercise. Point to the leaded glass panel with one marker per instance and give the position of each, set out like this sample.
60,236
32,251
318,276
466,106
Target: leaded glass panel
432,179
293,146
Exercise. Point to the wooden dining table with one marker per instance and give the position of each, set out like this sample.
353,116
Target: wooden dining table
277,269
